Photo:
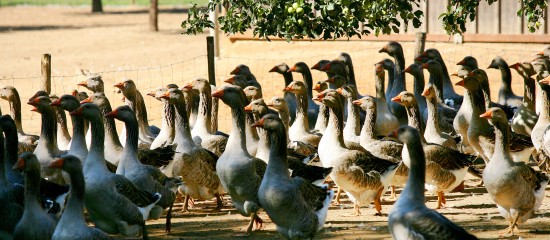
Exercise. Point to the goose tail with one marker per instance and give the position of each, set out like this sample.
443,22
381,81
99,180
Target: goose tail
322,213
147,209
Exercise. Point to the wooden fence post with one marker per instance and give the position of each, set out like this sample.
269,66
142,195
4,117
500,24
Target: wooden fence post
153,15
213,16
419,43
47,72
97,6
210,56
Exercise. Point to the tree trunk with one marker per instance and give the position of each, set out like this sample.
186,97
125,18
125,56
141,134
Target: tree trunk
153,16
97,6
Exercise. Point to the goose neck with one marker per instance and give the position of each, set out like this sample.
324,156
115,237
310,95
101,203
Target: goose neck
237,138
11,145
502,140
432,124
529,93
322,118
379,84
308,80
399,79
205,109
278,163
414,191
78,130
436,78
96,155
545,107
132,136
367,132
32,188
335,125
110,129
15,111
75,205
287,77
48,133
301,112
183,134
415,119
477,99
62,123
418,87
506,78
353,120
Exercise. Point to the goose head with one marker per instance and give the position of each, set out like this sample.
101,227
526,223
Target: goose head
432,66
98,99
79,95
299,67
336,80
122,113
278,103
334,67
67,163
40,104
280,68
252,93
296,87
127,87
174,96
241,69
239,80
497,62
495,116
391,48
230,95
461,71
320,64
468,61
344,57
66,102
429,91
431,54
157,93
414,69
347,91
330,98
524,69
469,82
366,103
270,122
545,52
93,83
39,94
405,99
26,162
387,64
89,111
257,106
199,84
320,86
8,93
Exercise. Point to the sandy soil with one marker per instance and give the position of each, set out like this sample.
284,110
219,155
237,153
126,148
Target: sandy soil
117,44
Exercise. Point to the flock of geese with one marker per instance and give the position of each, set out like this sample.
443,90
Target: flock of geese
281,151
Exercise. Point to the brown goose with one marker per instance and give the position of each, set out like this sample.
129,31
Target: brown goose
526,117
297,207
202,131
113,202
288,96
72,224
363,176
239,172
446,167
93,83
167,132
506,95
517,189
299,131
280,105
11,95
313,108
434,133
386,122
410,218
395,50
193,163
35,222
480,132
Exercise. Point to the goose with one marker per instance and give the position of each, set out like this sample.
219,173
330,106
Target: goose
362,175
11,95
506,95
63,136
113,202
167,132
410,218
334,68
346,59
419,83
526,117
78,146
386,122
462,120
480,133
35,222
297,207
299,131
297,163
541,66
113,148
517,189
395,50
388,65
202,130
93,83
290,98
451,97
322,118
320,64
352,129
193,163
251,133
192,99
540,135
145,177
47,148
446,167
239,172
385,149
436,79
434,133
134,99
312,108
72,224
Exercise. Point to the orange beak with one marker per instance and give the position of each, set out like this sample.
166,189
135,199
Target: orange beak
56,102
112,114
396,99
462,62
274,69
425,66
339,90
293,69
218,93
514,66
248,108
384,49
393,134
331,80
87,100
487,115
357,102
83,84
460,83
19,165
540,53
326,67
288,88
77,112
426,92
34,109
152,94
545,81
74,93
317,87
319,97
419,58
235,71
119,85
407,70
57,163
259,123
230,80
470,74
454,74
188,86
33,102
316,66
166,95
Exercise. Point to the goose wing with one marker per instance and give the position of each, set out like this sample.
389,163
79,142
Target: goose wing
314,196
519,142
447,158
139,197
367,162
531,176
157,157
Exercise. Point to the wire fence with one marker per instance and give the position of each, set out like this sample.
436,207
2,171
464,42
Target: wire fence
149,78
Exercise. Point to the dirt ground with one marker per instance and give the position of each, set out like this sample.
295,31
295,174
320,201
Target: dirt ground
118,45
